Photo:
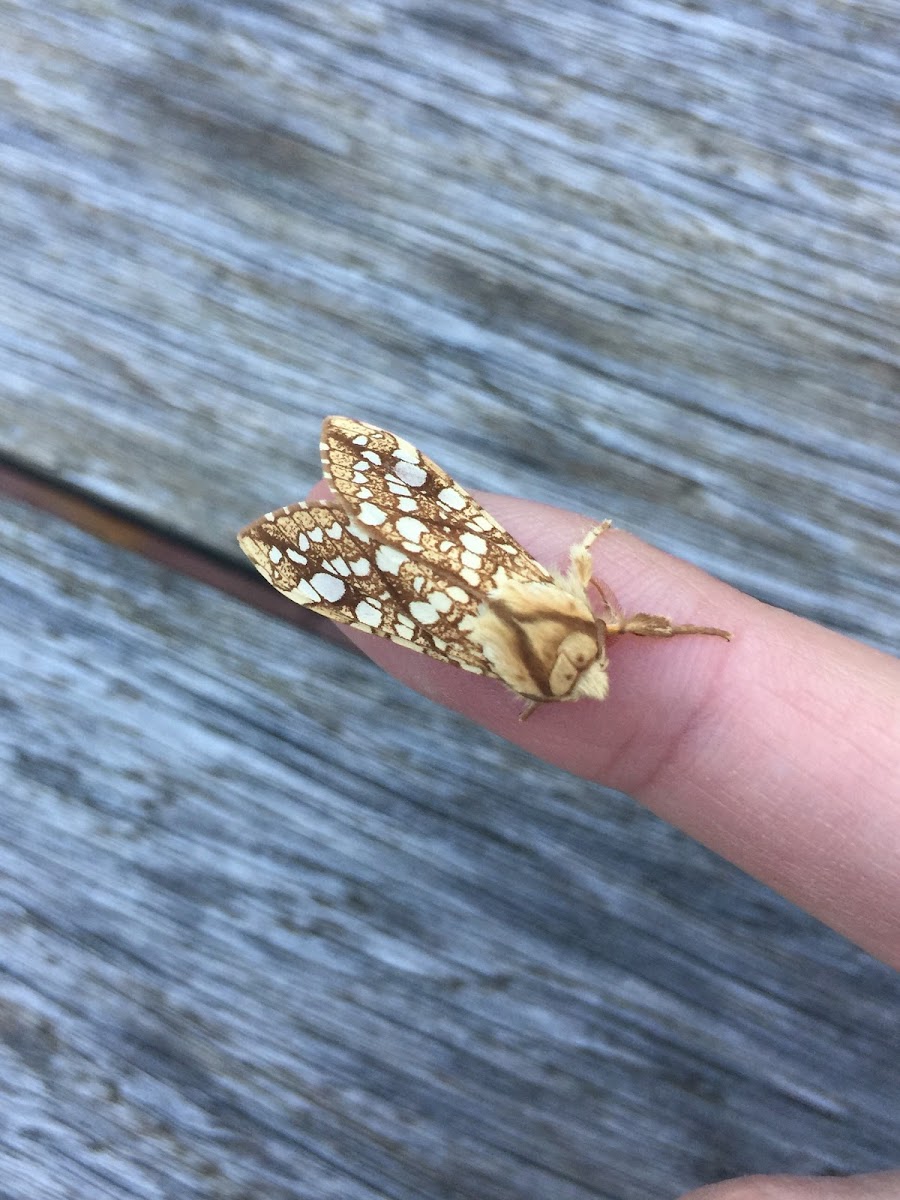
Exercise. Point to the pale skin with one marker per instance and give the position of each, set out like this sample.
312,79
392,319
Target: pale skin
779,750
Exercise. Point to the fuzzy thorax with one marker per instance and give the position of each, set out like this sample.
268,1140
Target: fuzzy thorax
543,640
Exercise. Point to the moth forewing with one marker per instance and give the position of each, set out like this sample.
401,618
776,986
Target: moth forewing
404,552
317,556
404,499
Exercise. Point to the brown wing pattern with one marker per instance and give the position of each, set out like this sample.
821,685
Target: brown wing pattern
402,498
319,557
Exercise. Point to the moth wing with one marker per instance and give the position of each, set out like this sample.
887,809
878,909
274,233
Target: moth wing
402,498
318,556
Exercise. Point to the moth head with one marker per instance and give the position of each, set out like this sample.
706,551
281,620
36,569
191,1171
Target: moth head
580,667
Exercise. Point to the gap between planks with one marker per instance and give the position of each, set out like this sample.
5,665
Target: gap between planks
133,533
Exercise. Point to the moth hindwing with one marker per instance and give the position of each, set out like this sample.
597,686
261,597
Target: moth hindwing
404,552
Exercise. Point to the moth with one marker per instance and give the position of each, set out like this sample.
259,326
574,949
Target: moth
404,552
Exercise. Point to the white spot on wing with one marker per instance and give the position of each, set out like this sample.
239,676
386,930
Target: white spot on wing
424,612
360,566
451,498
304,593
371,514
389,559
406,451
411,473
368,614
357,530
297,558
468,559
361,440
475,543
411,529
329,587
275,555
407,504
373,456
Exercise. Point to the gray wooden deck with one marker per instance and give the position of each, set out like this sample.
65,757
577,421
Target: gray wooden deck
273,926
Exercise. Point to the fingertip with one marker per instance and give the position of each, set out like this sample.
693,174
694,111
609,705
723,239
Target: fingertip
651,680
776,748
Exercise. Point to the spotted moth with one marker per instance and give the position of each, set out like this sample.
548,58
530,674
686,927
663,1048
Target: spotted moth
404,552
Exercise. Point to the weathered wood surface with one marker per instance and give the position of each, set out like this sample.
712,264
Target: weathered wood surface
631,258
258,943
638,259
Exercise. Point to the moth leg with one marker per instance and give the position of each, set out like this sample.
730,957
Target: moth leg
612,611
649,625
580,556
582,570
529,709
641,624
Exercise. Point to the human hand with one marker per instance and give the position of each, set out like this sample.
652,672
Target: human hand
780,750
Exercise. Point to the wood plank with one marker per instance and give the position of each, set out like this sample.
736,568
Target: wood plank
632,258
258,941
635,258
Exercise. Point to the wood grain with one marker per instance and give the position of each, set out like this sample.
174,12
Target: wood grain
259,942
639,259
632,259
